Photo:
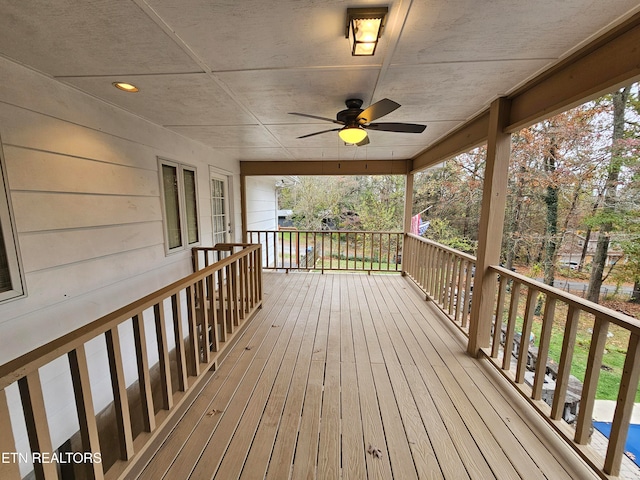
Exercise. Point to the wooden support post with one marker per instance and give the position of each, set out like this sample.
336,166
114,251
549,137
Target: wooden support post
408,210
490,227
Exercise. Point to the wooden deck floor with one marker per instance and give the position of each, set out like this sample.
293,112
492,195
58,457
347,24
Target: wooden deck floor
356,376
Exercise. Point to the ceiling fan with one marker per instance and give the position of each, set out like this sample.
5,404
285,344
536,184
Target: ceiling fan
356,121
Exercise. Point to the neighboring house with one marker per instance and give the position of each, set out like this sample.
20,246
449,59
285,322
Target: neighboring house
573,246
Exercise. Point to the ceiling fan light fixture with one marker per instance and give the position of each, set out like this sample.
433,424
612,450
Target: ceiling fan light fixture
352,135
364,29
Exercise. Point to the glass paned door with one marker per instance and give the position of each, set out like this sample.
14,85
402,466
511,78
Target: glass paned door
219,209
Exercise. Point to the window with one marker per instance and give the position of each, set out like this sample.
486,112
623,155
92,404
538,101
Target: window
180,198
11,280
219,208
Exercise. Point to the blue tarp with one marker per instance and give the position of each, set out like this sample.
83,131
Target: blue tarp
632,447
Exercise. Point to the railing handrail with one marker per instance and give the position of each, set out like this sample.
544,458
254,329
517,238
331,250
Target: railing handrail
620,319
444,275
286,229
459,253
20,367
319,250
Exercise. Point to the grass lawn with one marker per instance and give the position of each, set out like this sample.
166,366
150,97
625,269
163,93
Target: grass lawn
613,359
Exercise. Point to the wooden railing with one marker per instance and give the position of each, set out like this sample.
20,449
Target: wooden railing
204,311
291,249
445,276
520,303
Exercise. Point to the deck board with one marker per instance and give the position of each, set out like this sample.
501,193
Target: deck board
336,367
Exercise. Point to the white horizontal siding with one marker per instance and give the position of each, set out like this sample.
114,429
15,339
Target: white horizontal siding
84,186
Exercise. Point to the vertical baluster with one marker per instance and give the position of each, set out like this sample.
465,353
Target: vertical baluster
220,324
398,247
257,277
624,407
194,349
235,289
194,260
35,417
347,248
590,385
452,289
84,407
228,304
420,262
444,294
163,356
437,274
430,269
543,346
213,338
120,398
8,470
203,320
564,368
144,378
276,257
511,325
425,257
425,264
239,287
178,334
371,252
497,326
446,283
252,272
442,283
468,291
331,251
464,264
532,295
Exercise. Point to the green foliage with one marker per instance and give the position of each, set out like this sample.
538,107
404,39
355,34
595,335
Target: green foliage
441,231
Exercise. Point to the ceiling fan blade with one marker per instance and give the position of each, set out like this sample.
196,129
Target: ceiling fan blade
396,127
318,133
316,117
377,110
363,142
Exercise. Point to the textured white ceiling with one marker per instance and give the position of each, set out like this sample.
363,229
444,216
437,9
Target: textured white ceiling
226,73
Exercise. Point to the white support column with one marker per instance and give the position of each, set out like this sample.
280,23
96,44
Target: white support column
490,227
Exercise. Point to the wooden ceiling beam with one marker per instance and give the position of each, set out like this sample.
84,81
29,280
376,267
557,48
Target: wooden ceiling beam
463,139
324,167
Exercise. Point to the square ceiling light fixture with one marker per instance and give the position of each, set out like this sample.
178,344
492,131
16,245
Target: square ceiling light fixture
364,28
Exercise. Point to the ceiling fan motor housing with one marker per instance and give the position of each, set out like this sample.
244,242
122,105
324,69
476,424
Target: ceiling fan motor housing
350,115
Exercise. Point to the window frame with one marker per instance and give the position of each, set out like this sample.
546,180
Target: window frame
182,205
10,237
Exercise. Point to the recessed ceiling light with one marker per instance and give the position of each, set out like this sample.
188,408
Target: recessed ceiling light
125,87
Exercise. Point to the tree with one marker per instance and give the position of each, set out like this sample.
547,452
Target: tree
606,218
